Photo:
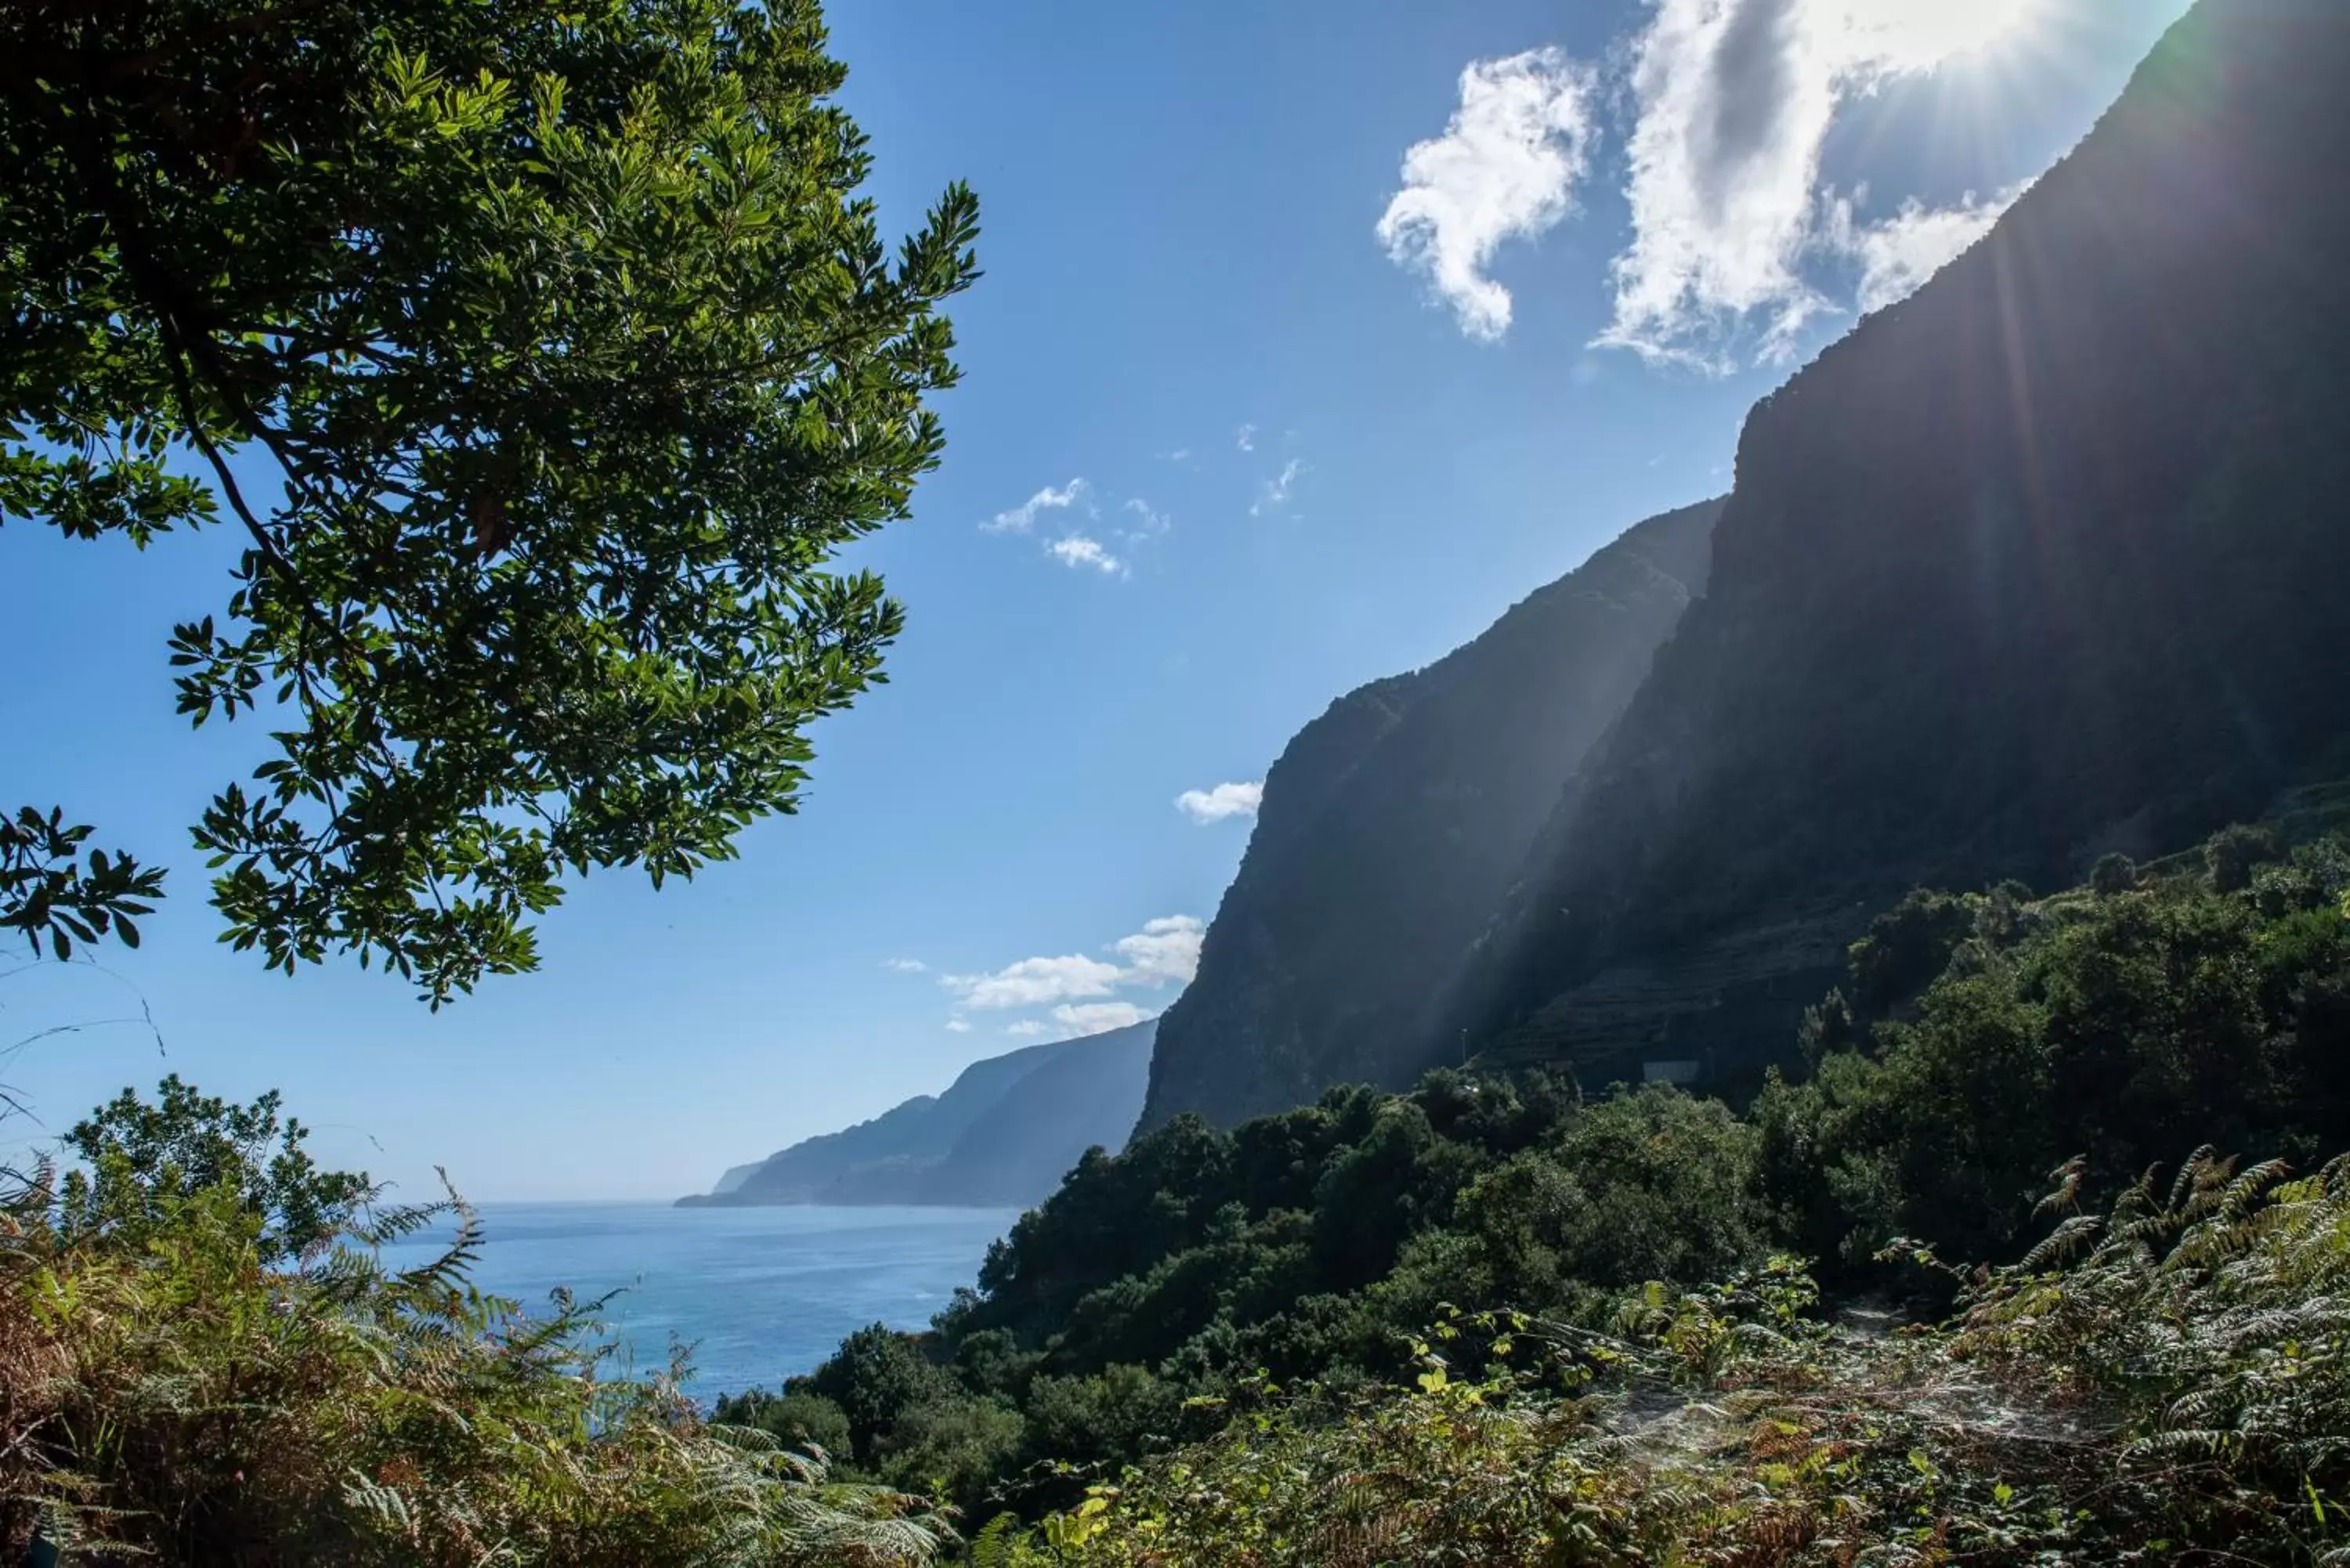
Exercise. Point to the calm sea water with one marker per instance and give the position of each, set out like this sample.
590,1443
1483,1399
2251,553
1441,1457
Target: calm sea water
761,1293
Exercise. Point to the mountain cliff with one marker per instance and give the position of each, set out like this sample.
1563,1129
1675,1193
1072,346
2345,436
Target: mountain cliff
2045,562
1004,1134
1391,827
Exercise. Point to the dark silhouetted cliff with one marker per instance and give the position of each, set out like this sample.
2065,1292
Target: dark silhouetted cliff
1391,827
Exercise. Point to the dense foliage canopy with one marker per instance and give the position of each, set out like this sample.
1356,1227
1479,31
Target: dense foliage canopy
2164,1384
544,353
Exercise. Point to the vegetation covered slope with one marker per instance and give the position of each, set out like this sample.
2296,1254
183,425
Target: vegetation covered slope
1005,1132
1979,1042
2043,562
2162,1384
203,1361
1390,828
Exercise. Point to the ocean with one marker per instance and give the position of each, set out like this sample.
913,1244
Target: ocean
761,1293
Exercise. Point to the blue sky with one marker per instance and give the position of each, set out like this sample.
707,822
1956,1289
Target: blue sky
1313,336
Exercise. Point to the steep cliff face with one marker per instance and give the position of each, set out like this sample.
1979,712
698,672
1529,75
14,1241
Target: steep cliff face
1004,1134
1390,828
2049,560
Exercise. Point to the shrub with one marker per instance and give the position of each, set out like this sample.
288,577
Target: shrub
177,1388
807,1422
2168,1384
2233,853
2113,875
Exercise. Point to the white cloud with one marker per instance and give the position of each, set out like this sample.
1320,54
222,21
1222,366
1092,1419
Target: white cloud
1149,522
1733,100
1027,1027
1898,254
958,1025
1164,950
1273,493
1181,455
1080,987
1226,800
1081,550
1022,517
1076,548
1506,168
1244,438
906,965
1036,981
1098,1017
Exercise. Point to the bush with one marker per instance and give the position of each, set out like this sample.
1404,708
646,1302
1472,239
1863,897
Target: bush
2234,853
800,1420
876,1373
1119,1414
956,1449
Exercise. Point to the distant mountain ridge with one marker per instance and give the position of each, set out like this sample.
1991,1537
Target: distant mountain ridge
1003,1135
1391,827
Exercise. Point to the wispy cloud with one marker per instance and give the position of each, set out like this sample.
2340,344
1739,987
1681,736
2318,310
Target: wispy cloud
906,965
1506,168
1244,438
1273,493
1225,801
1075,546
1149,521
1083,550
1027,1027
1099,1017
1022,518
1898,254
958,1025
1036,982
1081,990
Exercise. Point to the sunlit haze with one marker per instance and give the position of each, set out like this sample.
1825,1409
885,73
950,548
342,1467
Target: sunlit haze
1919,33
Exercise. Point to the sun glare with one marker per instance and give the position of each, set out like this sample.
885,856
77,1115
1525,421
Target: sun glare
1917,34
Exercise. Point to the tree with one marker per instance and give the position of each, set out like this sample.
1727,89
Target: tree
2234,852
545,353
144,1158
876,1375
